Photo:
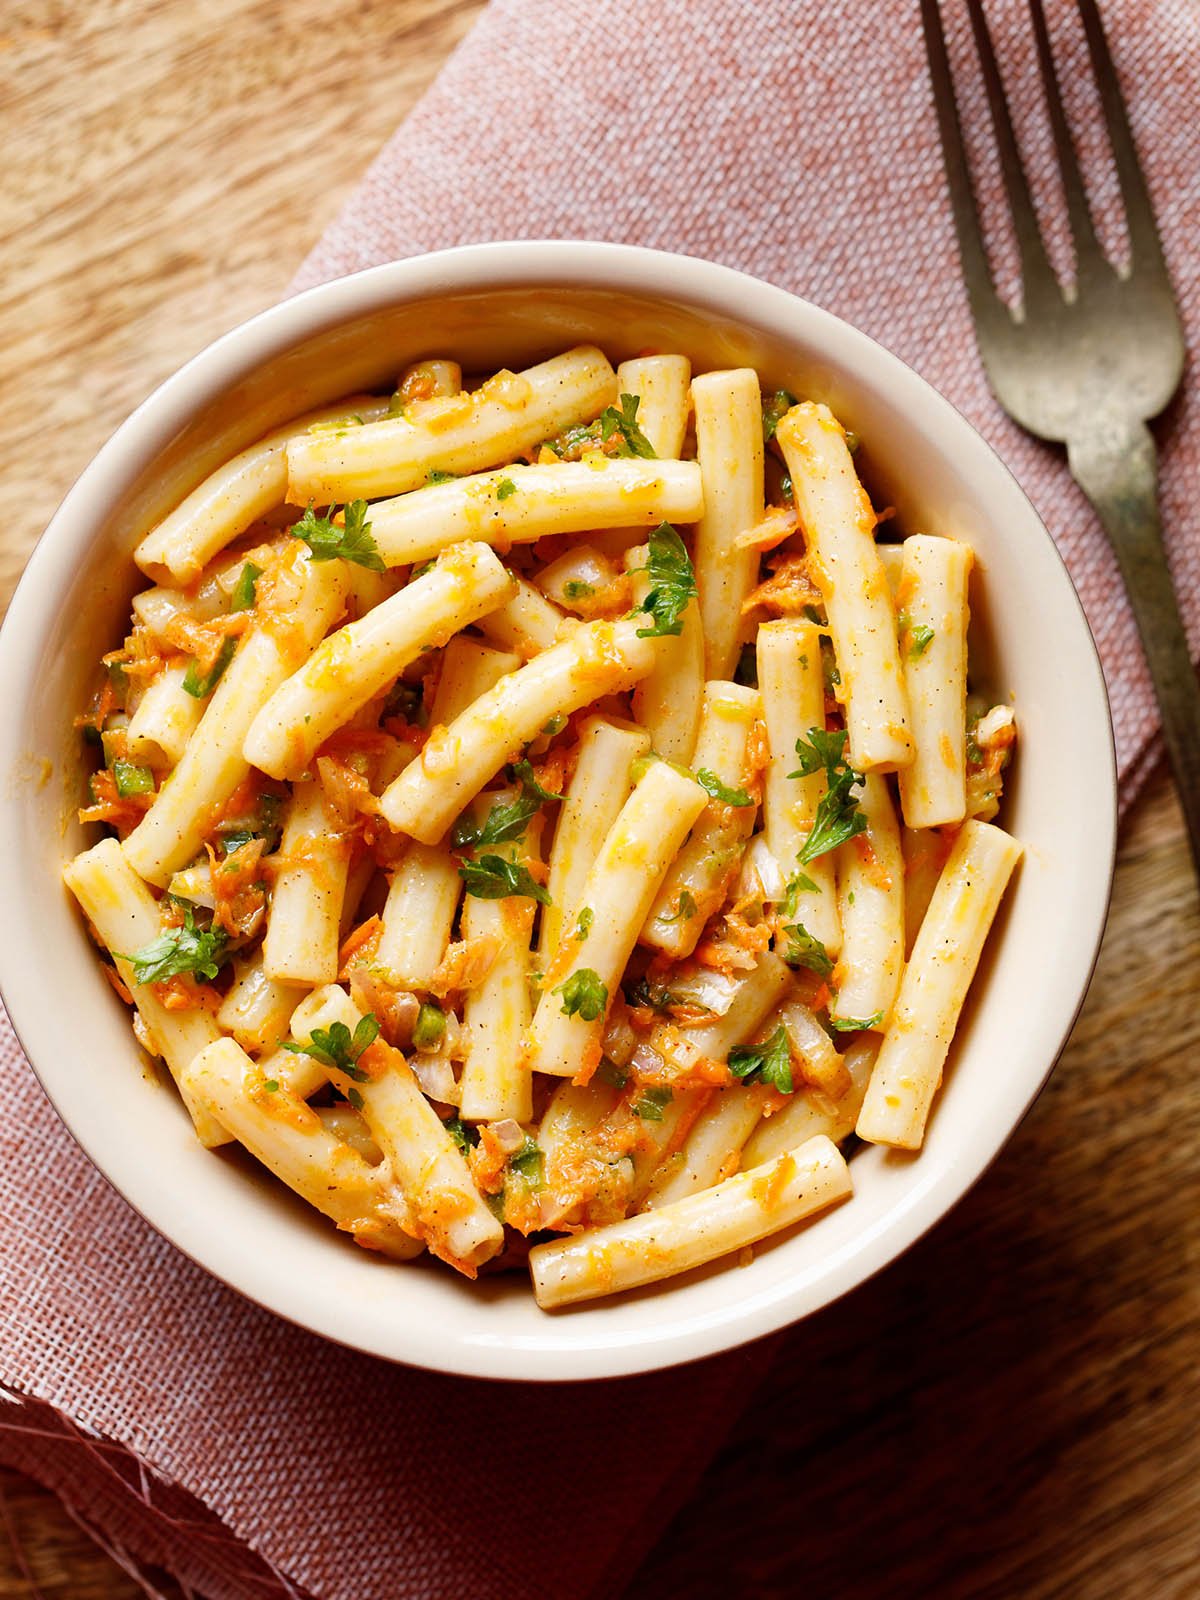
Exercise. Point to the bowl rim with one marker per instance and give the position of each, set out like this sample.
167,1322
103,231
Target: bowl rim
497,266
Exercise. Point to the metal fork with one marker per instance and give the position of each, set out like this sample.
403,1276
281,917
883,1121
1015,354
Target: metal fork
1086,368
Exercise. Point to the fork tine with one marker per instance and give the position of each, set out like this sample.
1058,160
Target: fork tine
1145,248
976,272
1036,270
1083,234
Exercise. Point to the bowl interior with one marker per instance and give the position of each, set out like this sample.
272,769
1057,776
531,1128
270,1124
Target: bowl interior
488,307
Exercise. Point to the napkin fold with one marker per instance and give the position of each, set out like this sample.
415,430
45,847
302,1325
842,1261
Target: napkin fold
190,1430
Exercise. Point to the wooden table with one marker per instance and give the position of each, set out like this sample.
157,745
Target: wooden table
1011,1410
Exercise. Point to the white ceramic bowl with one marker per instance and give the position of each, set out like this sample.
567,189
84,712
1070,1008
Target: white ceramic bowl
509,304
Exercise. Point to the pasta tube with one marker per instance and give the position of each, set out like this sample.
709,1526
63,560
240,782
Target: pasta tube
599,658
525,624
508,415
358,662
811,1111
236,495
932,603
712,1152
729,447
909,1069
125,915
661,1243
700,875
668,700
172,831
598,789
165,719
791,682
447,1209
496,1080
870,872
301,942
290,1139
519,504
256,1009
418,916
567,1027
839,527
661,385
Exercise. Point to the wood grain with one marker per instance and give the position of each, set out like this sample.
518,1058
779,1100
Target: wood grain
1009,1411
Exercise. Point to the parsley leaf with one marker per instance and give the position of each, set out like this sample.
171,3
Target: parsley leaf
351,542
773,412
200,684
584,925
178,950
792,891
494,878
505,489
624,423
806,950
852,1024
609,1072
436,476
769,1062
245,591
721,791
838,817
583,995
338,1048
649,1104
672,583
509,819
574,589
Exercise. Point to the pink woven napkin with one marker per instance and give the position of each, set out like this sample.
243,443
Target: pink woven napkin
192,1431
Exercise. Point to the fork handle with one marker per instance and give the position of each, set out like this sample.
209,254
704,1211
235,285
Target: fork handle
1117,469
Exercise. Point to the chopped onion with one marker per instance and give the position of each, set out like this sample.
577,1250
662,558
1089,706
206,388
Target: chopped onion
761,873
508,1134
435,1074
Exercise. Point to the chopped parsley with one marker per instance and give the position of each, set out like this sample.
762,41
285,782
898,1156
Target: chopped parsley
773,412
769,1062
838,817
583,995
405,700
672,583
494,878
510,818
201,684
649,1104
584,925
852,1024
430,1027
574,589
919,640
685,907
271,1085
609,1072
349,541
806,950
505,489
528,1163
791,894
245,590
131,779
712,785
463,1134
555,725
188,948
355,1099
432,479
621,420
336,1047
